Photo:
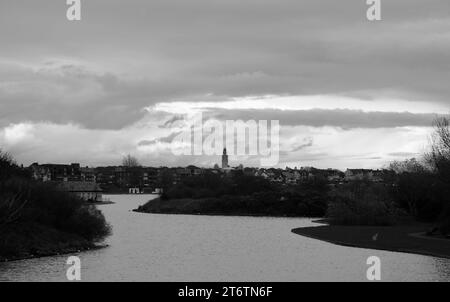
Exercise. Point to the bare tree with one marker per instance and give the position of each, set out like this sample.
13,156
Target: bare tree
439,157
11,206
7,165
11,209
408,166
130,161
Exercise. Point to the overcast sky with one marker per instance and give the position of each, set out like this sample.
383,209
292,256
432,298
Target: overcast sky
347,92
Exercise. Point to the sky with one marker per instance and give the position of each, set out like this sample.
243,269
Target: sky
348,93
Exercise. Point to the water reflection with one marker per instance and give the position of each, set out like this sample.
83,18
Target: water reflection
148,247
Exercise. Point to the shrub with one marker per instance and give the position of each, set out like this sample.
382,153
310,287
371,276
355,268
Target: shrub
444,222
46,205
308,199
24,202
361,204
89,223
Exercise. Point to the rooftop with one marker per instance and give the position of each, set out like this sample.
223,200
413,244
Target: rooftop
80,186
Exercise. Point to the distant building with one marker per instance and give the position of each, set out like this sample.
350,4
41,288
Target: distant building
289,177
88,191
56,172
105,176
358,174
250,171
134,191
40,173
225,159
369,175
194,171
88,174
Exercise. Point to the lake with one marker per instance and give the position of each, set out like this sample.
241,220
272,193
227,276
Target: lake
158,247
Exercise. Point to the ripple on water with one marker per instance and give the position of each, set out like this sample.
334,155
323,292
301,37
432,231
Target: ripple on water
150,247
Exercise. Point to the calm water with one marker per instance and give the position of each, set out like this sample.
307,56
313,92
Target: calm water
150,247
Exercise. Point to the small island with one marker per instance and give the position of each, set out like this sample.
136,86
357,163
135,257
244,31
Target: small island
237,194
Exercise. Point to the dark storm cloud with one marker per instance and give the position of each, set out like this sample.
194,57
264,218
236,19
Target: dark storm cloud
67,93
131,54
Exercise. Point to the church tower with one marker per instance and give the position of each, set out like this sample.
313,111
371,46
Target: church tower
224,159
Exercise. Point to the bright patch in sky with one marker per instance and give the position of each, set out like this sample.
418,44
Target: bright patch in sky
302,103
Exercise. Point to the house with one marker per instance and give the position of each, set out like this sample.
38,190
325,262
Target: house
383,175
134,191
40,173
249,171
358,174
56,172
194,171
88,191
333,175
88,174
150,177
290,177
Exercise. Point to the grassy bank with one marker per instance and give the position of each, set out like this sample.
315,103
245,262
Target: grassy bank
68,226
399,238
25,241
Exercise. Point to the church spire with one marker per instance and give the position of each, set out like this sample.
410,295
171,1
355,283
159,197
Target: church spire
224,159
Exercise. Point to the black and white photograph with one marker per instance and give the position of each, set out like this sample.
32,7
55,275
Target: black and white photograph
224,146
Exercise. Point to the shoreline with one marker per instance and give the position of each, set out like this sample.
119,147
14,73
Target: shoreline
66,251
222,214
401,239
191,206
100,203
126,193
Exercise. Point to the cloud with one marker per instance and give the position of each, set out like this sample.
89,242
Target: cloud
101,73
299,145
404,154
343,118
165,139
307,142
317,66
172,121
68,93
